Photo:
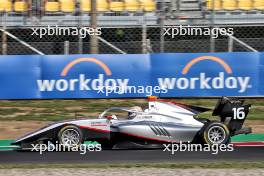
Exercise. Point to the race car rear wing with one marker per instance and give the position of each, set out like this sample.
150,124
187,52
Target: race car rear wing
233,113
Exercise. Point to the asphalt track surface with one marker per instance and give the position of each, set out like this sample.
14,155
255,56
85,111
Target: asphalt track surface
132,156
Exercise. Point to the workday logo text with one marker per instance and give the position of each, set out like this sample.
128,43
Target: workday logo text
82,82
205,82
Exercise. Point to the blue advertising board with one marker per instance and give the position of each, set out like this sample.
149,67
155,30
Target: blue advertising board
131,75
204,74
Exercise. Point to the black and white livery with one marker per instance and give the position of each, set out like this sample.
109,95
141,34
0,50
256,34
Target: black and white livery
161,122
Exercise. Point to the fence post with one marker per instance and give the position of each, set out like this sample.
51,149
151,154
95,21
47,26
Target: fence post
144,36
4,42
80,39
4,37
212,40
162,18
94,40
66,47
230,44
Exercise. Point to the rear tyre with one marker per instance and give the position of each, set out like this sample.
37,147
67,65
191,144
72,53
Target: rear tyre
215,133
70,136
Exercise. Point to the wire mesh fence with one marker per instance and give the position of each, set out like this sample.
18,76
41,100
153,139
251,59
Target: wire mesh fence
125,31
130,40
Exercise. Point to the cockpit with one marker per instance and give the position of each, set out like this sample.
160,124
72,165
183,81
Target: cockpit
121,113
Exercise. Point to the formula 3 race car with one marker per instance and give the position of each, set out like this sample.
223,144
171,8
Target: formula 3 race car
162,122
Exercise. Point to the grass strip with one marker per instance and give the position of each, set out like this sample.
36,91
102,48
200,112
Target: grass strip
248,138
53,110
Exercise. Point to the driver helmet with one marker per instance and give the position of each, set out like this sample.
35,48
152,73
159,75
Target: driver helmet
134,114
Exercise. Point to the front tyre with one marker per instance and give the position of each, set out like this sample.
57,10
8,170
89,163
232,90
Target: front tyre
215,133
70,136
